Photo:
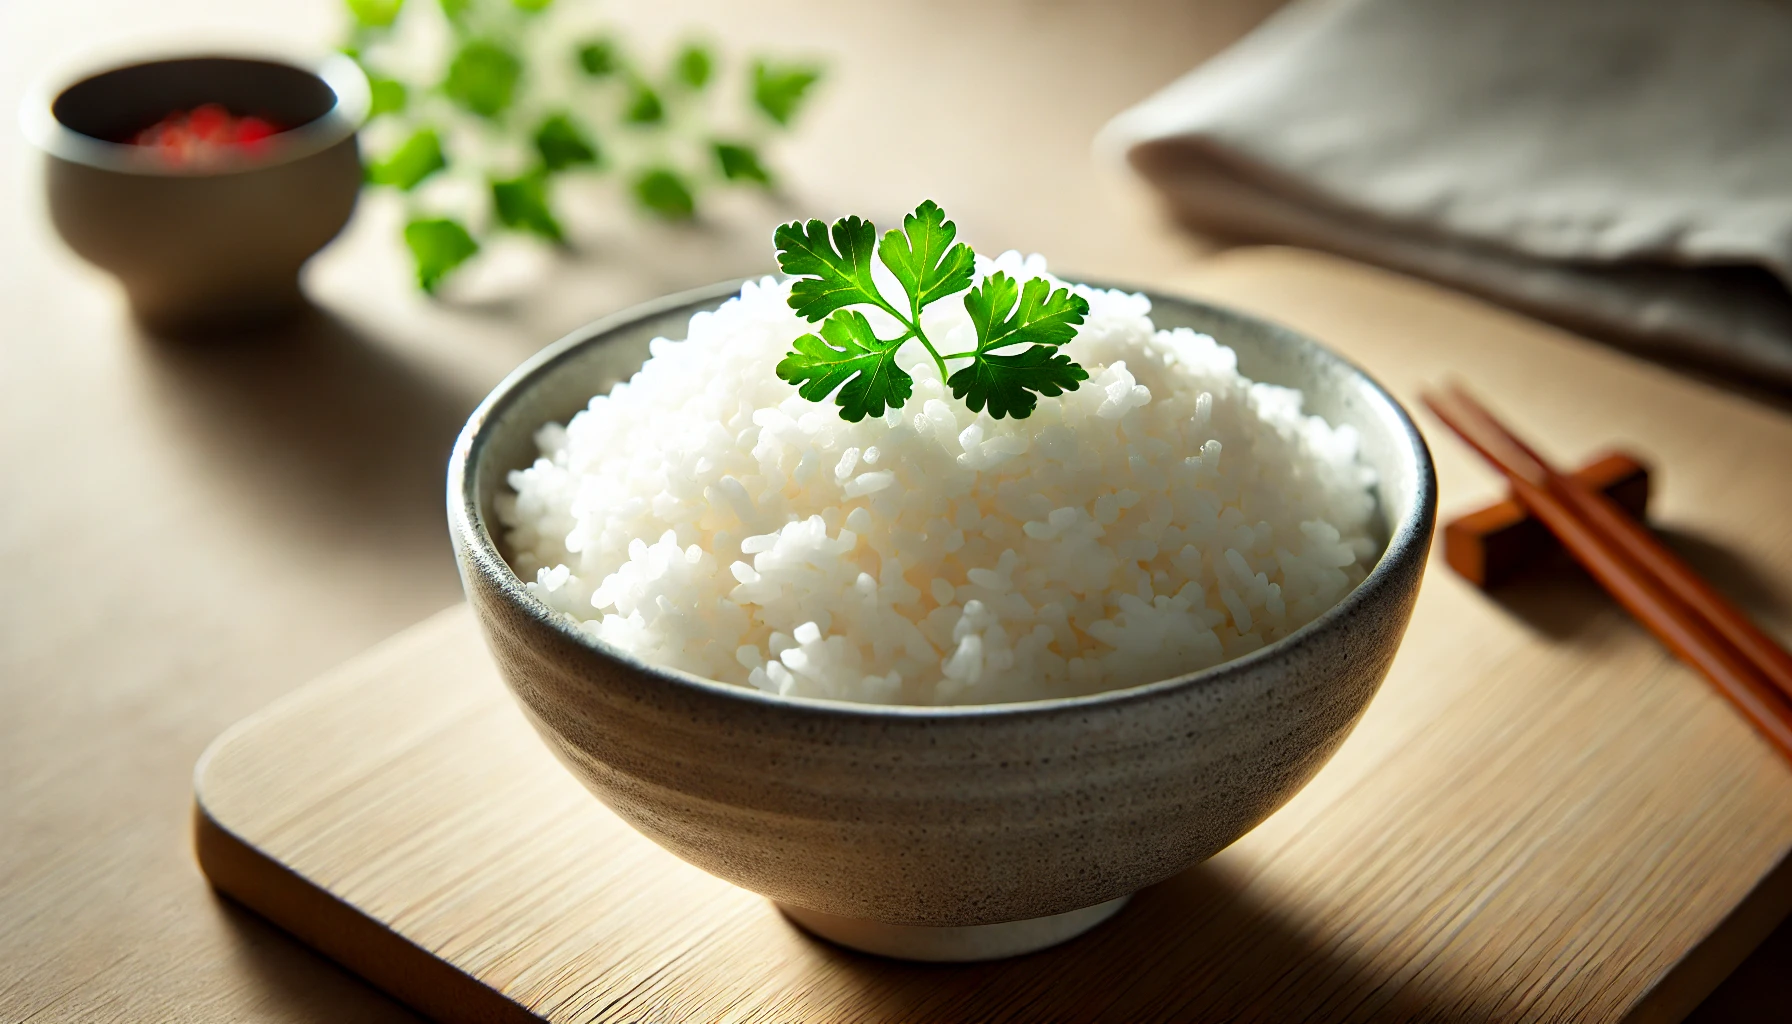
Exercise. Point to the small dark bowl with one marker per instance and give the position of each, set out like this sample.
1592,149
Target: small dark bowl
215,244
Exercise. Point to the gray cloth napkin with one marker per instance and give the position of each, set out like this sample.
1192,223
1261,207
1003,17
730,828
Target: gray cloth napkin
1620,166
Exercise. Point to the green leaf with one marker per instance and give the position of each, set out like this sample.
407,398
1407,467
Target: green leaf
374,13
1005,313
644,106
454,10
848,355
531,6
1042,316
1010,385
694,65
740,162
830,274
482,77
600,58
438,246
924,258
522,205
416,159
385,96
561,143
665,193
778,90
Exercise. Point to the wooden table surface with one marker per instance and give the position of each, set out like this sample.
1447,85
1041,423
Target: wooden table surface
191,530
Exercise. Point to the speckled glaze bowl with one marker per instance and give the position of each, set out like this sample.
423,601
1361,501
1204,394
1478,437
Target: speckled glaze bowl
211,245
953,833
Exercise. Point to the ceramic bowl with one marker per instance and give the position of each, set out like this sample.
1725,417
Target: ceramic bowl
950,833
213,244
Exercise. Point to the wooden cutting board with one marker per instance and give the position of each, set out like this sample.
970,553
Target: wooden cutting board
1542,816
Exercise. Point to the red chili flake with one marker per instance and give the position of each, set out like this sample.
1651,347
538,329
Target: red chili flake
209,122
205,133
250,130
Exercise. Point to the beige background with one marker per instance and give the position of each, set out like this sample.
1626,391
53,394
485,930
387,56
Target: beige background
189,531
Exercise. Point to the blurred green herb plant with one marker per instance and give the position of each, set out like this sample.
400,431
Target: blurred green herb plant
516,104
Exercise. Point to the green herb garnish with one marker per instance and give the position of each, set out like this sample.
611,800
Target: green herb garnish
693,65
562,144
438,245
483,76
490,93
522,205
847,359
778,89
415,159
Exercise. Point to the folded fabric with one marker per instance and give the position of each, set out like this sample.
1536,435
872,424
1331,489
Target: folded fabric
1620,166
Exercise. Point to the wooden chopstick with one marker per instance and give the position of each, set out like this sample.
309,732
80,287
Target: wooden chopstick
1675,624
1654,557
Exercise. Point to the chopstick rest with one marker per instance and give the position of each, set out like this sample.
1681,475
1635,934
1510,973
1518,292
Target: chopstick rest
1491,545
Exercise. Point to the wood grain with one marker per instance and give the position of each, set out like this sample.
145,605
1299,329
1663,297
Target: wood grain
1543,816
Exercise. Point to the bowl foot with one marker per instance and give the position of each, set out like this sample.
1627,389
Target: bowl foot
245,307
953,945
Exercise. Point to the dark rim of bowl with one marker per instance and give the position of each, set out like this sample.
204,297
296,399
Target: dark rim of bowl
338,73
1410,539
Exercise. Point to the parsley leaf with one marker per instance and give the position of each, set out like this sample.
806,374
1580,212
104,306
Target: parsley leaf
416,158
600,58
740,162
561,143
482,77
438,246
829,274
1005,313
662,191
848,355
1007,384
924,258
644,105
375,13
385,95
522,205
778,89
1042,316
693,65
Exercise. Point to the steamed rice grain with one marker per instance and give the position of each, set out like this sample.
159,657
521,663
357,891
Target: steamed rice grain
1166,516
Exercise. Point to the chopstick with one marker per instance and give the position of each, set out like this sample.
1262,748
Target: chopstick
1676,624
1651,556
1654,557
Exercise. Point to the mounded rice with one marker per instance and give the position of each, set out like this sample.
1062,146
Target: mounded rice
1166,516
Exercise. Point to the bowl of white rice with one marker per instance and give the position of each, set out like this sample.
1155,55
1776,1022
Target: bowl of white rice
942,685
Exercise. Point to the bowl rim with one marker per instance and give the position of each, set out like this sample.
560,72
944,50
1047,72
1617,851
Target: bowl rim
1409,541
338,73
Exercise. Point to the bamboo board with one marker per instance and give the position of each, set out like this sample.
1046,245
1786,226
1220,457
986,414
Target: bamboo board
1542,816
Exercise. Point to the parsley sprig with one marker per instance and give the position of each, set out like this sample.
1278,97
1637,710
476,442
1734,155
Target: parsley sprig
509,106
848,359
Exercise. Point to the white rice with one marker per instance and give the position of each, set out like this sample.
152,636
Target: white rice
1164,517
